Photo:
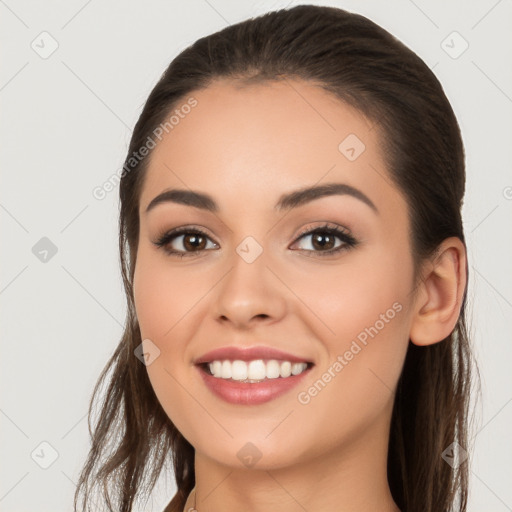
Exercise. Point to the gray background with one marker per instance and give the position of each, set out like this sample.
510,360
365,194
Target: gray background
66,123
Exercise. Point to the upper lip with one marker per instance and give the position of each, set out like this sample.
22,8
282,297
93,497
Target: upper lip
248,354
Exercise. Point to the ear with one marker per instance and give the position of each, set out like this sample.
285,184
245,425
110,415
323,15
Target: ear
439,299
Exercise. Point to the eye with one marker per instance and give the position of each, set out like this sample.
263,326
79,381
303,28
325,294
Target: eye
324,237
192,241
185,241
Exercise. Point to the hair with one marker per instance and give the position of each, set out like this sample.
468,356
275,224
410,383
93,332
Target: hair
369,69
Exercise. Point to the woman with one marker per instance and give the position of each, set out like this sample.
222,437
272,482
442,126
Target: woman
296,273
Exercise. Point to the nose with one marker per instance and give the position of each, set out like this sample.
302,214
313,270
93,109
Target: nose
250,293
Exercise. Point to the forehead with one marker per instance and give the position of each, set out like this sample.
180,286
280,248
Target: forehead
262,140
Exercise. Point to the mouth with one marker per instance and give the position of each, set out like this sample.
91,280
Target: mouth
258,370
252,382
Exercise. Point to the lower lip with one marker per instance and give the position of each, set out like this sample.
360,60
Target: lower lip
245,393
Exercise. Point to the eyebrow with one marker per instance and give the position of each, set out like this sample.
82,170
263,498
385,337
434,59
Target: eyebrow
286,201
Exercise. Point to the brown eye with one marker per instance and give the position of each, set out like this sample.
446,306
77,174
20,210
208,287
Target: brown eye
184,242
193,241
323,240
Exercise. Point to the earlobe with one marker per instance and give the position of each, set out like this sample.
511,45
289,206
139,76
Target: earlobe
438,303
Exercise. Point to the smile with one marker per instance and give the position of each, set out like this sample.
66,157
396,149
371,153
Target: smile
252,382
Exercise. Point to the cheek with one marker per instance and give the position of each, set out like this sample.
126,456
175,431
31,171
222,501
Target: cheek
157,307
364,307
161,296
349,298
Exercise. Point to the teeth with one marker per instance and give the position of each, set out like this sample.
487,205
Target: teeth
256,370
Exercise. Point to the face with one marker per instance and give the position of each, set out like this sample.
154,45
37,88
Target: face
325,278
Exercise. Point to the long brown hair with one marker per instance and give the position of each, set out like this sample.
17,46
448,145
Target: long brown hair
366,67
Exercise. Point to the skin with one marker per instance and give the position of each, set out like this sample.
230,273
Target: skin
246,147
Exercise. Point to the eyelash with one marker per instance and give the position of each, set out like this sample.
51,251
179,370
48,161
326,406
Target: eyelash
331,229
